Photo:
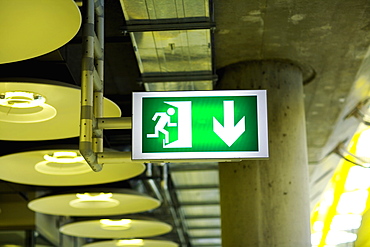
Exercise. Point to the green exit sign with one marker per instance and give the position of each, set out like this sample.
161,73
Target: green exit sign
193,125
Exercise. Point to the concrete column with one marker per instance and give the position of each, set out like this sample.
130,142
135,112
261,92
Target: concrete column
266,202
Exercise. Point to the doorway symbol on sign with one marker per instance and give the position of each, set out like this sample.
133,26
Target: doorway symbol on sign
183,125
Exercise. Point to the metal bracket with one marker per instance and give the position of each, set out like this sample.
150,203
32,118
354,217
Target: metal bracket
169,25
359,112
178,77
341,151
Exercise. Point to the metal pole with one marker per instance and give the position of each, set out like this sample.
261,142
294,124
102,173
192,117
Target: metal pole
113,157
98,93
152,183
92,88
173,211
114,123
87,84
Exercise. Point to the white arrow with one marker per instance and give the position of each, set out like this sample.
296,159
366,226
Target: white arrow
229,133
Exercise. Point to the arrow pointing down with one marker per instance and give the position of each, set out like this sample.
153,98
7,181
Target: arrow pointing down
229,133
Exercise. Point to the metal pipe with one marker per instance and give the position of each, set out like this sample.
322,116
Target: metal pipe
99,37
98,92
98,84
173,211
98,48
98,112
151,182
114,123
114,157
99,7
87,96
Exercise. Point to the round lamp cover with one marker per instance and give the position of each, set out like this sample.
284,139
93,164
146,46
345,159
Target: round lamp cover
61,167
33,28
133,229
42,111
94,204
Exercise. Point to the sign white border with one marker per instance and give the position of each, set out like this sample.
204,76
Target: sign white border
137,153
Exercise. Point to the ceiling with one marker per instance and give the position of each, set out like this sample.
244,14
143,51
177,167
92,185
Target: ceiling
329,39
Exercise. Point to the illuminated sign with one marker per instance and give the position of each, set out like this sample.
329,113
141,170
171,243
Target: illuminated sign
216,125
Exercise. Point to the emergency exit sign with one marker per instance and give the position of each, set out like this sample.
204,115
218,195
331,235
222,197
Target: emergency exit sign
193,125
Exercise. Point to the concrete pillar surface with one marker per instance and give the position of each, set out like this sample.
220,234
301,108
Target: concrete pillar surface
266,202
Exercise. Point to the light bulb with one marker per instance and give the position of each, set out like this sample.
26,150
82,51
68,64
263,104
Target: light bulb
66,157
19,99
123,242
94,200
63,163
94,197
123,224
25,107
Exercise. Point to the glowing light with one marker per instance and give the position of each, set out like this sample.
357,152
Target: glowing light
19,99
316,238
346,222
65,157
358,178
94,200
340,237
24,107
327,201
94,197
318,226
123,224
60,169
352,202
362,147
123,242
63,163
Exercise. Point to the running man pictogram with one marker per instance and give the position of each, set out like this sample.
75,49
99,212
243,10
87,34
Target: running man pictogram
164,120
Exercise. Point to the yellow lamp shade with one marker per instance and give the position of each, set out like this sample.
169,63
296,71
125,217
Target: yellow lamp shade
48,110
133,229
61,167
33,28
94,203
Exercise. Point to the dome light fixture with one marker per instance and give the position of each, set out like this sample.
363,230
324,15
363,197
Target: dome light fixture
138,228
64,157
34,28
24,107
95,203
51,167
19,99
32,110
63,163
